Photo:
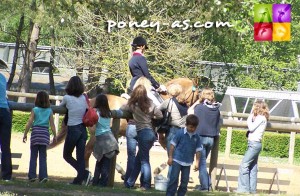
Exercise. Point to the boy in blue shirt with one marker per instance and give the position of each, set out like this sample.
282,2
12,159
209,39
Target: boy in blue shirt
183,147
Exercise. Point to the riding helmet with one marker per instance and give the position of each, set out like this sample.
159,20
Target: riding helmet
139,41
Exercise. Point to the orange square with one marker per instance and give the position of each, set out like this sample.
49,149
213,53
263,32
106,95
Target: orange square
281,31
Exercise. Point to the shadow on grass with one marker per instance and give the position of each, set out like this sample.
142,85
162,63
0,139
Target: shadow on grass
59,186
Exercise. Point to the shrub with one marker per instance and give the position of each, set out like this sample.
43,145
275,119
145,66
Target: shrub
19,121
273,145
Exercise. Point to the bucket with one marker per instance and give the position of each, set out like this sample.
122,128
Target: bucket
161,184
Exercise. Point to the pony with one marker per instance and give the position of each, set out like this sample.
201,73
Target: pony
189,94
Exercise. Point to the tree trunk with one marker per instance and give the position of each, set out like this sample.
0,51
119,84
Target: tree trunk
52,52
16,53
30,58
25,64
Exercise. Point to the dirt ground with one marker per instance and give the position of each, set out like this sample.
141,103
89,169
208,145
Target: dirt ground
58,167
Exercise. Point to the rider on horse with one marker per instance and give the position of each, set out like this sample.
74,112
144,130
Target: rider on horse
138,65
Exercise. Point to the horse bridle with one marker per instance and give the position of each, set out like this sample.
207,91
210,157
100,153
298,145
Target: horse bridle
192,93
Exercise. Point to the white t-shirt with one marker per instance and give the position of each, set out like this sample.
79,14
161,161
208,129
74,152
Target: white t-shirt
76,108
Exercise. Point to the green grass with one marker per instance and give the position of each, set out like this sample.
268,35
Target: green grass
56,187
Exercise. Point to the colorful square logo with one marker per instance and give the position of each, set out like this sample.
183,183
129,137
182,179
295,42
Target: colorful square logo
263,31
281,12
281,31
272,22
263,13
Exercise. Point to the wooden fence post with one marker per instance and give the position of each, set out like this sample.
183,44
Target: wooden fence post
228,141
56,116
214,162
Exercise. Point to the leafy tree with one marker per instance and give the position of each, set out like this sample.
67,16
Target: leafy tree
262,65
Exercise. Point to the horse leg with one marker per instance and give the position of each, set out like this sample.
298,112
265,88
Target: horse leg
89,149
60,136
162,140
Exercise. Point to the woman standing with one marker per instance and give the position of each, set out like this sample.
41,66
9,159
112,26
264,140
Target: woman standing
207,110
5,132
178,111
257,123
76,104
143,110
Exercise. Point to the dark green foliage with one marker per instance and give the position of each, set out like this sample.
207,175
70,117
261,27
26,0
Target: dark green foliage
239,142
274,144
19,121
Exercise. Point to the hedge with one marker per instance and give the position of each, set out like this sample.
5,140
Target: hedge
20,119
274,144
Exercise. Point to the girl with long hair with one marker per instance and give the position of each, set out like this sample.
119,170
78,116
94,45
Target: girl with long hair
257,123
106,145
40,118
143,110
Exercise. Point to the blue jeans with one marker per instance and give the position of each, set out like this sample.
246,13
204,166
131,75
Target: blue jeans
247,180
173,182
131,141
35,151
145,139
76,137
101,174
170,135
207,143
5,136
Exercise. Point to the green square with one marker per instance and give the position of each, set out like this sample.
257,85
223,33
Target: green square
263,13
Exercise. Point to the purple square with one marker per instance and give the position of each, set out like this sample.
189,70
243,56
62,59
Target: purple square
281,12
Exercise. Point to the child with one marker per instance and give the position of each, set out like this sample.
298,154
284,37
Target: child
257,123
143,110
208,113
183,147
76,104
106,145
39,120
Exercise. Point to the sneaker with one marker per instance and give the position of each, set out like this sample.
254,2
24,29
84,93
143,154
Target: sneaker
32,179
88,178
44,180
142,189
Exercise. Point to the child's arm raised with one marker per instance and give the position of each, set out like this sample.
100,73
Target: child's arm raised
28,126
52,125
